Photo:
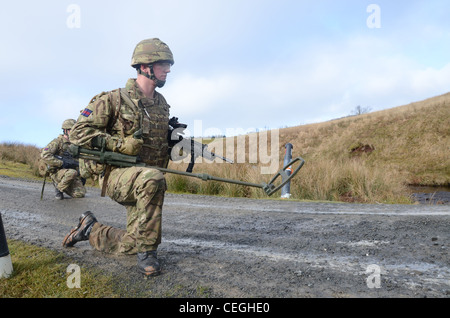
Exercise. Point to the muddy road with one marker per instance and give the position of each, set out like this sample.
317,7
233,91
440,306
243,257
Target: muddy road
232,247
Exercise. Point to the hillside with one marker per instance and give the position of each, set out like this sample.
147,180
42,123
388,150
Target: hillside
369,158
413,140
366,158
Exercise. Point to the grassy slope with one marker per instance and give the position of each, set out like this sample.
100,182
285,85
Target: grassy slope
410,142
411,147
413,139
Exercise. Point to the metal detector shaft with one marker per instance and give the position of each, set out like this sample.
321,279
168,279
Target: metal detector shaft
121,160
269,188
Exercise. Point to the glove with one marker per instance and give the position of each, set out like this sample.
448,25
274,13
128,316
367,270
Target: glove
98,142
129,146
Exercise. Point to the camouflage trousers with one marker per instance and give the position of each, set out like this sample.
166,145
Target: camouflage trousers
141,190
69,182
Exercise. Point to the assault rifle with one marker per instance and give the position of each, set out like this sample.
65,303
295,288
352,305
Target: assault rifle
195,148
68,161
121,160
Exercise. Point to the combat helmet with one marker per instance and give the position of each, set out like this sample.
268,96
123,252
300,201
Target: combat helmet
150,51
68,123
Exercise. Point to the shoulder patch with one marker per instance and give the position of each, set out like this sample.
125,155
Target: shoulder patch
86,112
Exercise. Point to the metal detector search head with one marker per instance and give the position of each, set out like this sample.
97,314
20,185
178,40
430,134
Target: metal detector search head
271,188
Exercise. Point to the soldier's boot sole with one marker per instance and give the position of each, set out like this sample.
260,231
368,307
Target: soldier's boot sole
81,232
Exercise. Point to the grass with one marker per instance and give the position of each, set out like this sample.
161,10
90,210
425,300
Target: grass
405,145
409,145
42,273
17,170
19,160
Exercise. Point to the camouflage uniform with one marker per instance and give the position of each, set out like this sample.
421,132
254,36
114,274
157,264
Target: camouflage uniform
65,180
141,190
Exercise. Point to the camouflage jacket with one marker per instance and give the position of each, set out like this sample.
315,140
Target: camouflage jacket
114,114
56,147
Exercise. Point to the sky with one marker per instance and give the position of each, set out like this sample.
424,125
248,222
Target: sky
239,65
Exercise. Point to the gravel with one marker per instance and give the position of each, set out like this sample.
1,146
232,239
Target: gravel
245,248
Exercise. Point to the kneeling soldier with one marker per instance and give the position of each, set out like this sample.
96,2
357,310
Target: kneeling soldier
62,168
135,121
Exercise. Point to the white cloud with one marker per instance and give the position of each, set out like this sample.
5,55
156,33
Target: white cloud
190,94
233,69
59,105
431,80
314,86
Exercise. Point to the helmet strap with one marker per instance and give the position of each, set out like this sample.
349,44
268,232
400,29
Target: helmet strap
152,76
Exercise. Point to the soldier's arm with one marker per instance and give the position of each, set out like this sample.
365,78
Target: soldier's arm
91,128
48,154
92,122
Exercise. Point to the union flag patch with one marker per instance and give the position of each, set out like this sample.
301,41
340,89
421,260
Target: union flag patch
86,112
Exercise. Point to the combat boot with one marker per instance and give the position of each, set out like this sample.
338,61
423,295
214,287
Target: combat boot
58,194
82,231
148,263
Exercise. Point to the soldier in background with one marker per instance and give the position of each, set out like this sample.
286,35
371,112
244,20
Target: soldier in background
134,121
62,169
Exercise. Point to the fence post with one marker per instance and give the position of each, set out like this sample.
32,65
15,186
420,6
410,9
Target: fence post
6,267
286,189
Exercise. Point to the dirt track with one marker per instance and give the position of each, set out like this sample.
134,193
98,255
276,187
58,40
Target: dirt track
229,247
